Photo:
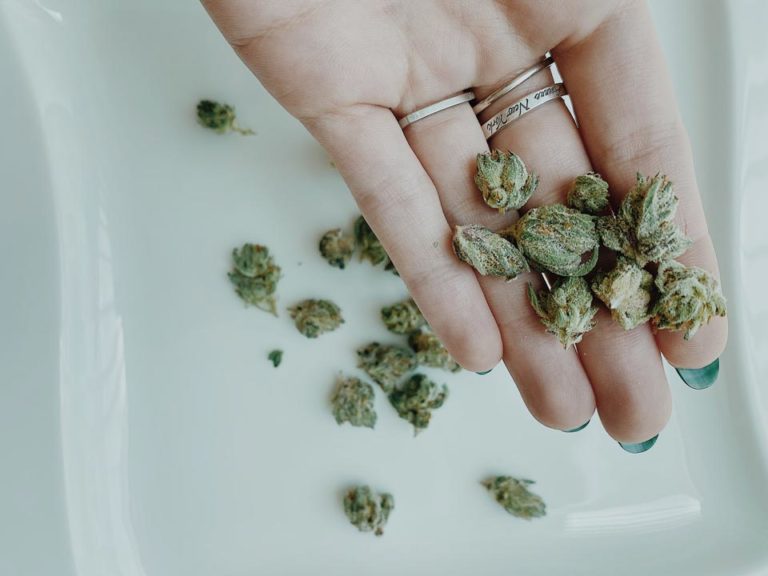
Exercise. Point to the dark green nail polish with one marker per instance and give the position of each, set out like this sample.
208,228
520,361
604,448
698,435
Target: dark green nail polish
483,373
578,427
640,446
700,378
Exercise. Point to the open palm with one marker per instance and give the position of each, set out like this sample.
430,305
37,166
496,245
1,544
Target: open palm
348,68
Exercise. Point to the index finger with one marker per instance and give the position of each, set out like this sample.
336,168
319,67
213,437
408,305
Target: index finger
629,121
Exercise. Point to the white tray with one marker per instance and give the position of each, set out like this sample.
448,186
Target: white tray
144,432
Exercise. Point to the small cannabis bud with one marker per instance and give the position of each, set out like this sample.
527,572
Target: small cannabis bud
515,498
219,117
369,245
557,239
689,298
385,364
367,510
487,252
644,228
504,180
353,402
255,276
276,356
403,317
431,352
626,291
415,399
589,194
566,310
337,247
315,317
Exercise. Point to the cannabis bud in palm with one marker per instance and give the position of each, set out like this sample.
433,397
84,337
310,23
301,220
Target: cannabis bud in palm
431,352
337,247
689,298
403,317
557,239
416,398
315,317
219,117
504,180
644,228
589,194
626,291
515,498
367,510
352,402
487,252
255,276
386,365
566,311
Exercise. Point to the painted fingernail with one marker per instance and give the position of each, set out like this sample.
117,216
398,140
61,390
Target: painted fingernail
640,446
700,378
578,427
483,373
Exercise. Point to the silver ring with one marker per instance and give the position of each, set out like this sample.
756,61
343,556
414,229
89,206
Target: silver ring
512,84
436,107
522,107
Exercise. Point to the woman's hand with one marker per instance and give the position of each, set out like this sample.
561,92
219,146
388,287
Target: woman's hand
349,69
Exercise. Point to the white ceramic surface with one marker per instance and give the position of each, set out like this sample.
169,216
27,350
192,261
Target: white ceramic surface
144,433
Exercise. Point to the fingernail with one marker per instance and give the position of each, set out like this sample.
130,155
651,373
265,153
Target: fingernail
700,378
483,373
578,427
640,446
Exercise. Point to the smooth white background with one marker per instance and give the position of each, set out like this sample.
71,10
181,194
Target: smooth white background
143,431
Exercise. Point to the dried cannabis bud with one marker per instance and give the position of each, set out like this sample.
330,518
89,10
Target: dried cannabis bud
626,291
369,245
644,228
515,498
385,364
367,510
566,310
415,399
403,317
589,194
219,117
353,402
487,252
689,298
276,356
504,180
255,276
315,317
337,247
557,239
431,352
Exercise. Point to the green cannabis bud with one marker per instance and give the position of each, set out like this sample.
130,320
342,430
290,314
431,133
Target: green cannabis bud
337,247
255,276
386,365
276,357
589,194
566,311
367,510
219,117
315,317
431,352
352,402
689,298
504,180
368,243
515,498
644,228
487,252
557,239
403,317
626,291
415,399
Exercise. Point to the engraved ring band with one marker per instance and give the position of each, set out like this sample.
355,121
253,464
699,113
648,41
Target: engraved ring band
521,107
518,80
